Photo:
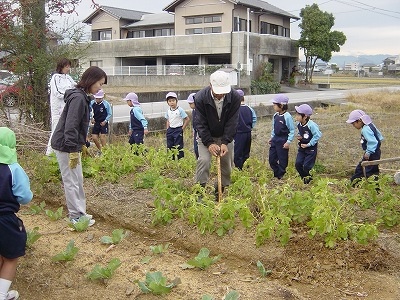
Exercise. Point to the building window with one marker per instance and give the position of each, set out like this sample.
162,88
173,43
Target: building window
241,24
105,35
194,31
273,29
212,19
213,29
264,27
101,35
194,20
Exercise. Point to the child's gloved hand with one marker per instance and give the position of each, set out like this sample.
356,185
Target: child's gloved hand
73,159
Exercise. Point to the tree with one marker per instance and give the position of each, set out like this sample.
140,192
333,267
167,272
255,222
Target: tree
316,38
26,37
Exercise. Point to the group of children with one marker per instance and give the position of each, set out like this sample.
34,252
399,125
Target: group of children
282,134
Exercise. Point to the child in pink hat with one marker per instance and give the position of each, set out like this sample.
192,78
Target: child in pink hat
371,139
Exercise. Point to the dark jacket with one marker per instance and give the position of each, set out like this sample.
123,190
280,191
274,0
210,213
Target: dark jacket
207,123
72,128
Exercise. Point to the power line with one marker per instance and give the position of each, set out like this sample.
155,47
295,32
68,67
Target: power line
390,11
368,9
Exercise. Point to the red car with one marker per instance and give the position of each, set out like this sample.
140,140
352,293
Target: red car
10,90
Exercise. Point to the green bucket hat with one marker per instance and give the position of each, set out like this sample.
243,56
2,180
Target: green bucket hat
8,152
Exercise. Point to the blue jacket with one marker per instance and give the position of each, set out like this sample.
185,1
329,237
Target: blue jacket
371,138
101,111
310,134
14,188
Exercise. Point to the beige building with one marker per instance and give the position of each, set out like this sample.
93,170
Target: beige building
190,36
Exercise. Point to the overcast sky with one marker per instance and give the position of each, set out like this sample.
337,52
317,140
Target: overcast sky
371,26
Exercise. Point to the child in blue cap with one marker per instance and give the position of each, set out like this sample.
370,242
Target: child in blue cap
177,121
308,137
14,190
138,123
371,139
247,121
281,136
102,113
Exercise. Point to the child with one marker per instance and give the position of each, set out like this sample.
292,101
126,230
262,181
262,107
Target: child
14,190
177,120
138,123
101,115
308,136
190,100
247,121
281,136
371,139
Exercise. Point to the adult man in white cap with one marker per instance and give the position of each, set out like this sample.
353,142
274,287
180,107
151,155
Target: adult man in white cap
217,115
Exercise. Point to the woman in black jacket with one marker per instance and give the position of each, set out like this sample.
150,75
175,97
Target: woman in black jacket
69,136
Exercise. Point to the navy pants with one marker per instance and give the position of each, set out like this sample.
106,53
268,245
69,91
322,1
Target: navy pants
136,137
175,140
242,148
278,157
369,170
305,161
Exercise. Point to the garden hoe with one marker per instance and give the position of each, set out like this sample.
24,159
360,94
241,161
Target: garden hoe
219,178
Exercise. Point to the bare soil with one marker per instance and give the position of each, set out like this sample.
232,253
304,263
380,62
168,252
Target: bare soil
304,269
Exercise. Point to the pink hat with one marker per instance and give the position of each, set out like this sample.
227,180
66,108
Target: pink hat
190,99
280,99
99,94
240,92
171,95
133,98
357,115
304,109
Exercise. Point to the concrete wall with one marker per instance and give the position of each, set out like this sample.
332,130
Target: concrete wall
262,111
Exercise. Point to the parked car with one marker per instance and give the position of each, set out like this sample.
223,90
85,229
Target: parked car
10,90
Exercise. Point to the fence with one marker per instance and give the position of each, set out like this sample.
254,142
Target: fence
165,70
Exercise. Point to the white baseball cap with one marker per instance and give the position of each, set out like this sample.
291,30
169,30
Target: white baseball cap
220,82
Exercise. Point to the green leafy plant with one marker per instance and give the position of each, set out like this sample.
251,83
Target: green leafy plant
37,209
81,225
262,270
159,249
68,254
102,273
54,215
32,236
203,260
155,283
232,295
117,236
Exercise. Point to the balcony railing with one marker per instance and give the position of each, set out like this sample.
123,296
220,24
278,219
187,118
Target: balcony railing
165,70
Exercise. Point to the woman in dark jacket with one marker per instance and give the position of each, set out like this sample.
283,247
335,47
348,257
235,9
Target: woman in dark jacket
69,136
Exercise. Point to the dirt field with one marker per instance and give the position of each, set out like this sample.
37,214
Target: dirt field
304,269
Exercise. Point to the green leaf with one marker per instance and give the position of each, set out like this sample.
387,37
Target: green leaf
81,225
99,272
156,284
67,255
232,295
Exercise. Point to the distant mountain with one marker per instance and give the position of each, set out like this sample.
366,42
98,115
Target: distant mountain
377,59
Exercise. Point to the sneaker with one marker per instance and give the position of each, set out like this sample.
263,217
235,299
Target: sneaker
76,220
12,295
88,216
